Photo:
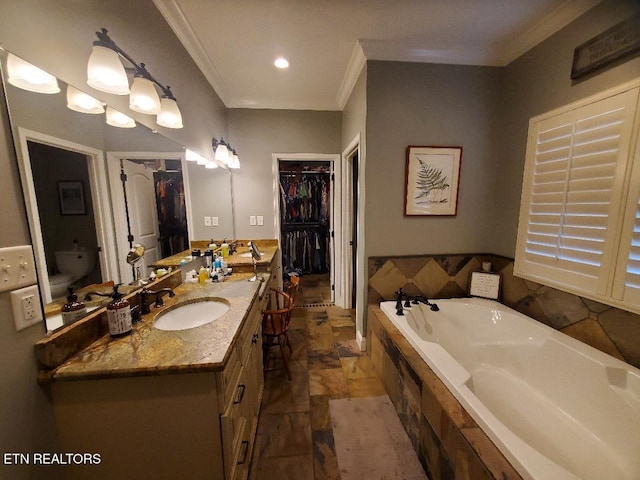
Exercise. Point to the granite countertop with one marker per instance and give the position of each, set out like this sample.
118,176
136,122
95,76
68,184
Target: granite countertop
235,260
150,351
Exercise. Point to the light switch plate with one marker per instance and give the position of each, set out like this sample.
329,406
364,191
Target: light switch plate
17,267
252,220
215,221
260,220
27,310
207,221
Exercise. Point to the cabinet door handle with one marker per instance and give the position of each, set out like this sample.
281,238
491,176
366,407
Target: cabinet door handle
245,443
240,396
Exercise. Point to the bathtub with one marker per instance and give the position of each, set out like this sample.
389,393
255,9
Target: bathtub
555,407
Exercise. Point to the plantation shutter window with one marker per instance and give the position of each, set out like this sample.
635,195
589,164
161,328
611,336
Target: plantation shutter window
574,197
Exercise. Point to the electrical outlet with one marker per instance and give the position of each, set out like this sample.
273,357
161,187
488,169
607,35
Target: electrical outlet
27,310
215,221
252,220
207,221
260,219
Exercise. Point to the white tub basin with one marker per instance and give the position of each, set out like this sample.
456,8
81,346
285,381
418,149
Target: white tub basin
191,315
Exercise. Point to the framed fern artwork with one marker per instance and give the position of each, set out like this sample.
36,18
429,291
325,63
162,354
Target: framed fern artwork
432,180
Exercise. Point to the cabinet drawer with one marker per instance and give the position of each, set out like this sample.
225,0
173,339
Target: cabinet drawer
229,377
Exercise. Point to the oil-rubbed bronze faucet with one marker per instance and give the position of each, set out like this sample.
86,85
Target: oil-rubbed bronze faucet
144,298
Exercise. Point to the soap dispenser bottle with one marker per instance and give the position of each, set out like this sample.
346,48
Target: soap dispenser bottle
119,314
72,310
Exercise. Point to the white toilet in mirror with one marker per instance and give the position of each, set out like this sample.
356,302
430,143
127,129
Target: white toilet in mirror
72,265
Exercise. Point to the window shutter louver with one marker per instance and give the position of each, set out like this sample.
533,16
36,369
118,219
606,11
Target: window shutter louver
572,196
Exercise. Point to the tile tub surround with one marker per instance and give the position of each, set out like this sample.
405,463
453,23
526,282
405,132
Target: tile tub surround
448,441
606,328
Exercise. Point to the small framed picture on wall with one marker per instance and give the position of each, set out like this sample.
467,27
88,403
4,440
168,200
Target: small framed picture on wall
432,180
71,197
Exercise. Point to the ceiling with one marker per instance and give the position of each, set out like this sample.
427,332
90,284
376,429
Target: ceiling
327,42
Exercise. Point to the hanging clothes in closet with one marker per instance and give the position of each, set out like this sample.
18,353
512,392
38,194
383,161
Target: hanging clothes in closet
305,232
172,212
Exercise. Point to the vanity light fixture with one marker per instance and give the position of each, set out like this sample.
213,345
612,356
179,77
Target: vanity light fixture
28,77
83,103
119,119
225,153
105,72
221,150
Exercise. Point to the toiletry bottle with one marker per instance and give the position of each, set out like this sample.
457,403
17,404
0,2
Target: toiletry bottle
202,275
225,249
72,310
118,314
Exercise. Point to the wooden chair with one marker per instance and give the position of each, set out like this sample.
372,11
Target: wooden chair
275,324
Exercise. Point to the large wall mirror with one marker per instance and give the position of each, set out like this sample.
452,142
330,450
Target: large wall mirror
72,165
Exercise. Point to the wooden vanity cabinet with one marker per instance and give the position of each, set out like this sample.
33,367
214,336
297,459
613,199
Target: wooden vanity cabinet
198,425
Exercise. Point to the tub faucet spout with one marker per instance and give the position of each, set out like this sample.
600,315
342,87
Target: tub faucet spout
425,300
399,296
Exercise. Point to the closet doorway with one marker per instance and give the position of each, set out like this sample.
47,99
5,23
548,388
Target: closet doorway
305,224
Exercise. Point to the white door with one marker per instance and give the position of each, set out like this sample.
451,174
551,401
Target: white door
143,213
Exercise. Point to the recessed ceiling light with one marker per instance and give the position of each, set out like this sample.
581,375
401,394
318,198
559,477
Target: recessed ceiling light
281,62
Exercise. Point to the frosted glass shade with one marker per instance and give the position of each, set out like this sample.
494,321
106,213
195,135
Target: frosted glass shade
24,75
235,161
191,156
169,115
105,71
144,97
119,119
83,103
222,153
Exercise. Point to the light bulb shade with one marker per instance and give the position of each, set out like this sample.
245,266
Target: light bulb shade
169,115
144,97
24,75
222,153
105,71
235,161
119,119
83,103
191,156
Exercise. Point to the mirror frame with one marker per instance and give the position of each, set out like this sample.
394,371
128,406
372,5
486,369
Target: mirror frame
99,196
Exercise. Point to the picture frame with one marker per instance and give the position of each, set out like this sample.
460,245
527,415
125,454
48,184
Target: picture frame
618,42
485,285
71,198
432,180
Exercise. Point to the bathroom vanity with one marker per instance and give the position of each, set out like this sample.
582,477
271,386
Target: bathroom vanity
168,404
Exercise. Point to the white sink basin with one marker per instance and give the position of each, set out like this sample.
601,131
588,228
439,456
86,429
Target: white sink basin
245,255
191,315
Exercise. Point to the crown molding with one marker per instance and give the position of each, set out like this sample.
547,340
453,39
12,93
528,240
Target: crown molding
178,22
354,67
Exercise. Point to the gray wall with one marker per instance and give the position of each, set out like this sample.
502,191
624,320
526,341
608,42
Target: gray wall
430,105
26,415
538,82
256,134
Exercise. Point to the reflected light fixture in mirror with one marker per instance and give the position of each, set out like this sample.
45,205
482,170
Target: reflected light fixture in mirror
119,119
28,77
79,101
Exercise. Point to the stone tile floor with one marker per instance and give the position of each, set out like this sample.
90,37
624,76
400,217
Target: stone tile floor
295,436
